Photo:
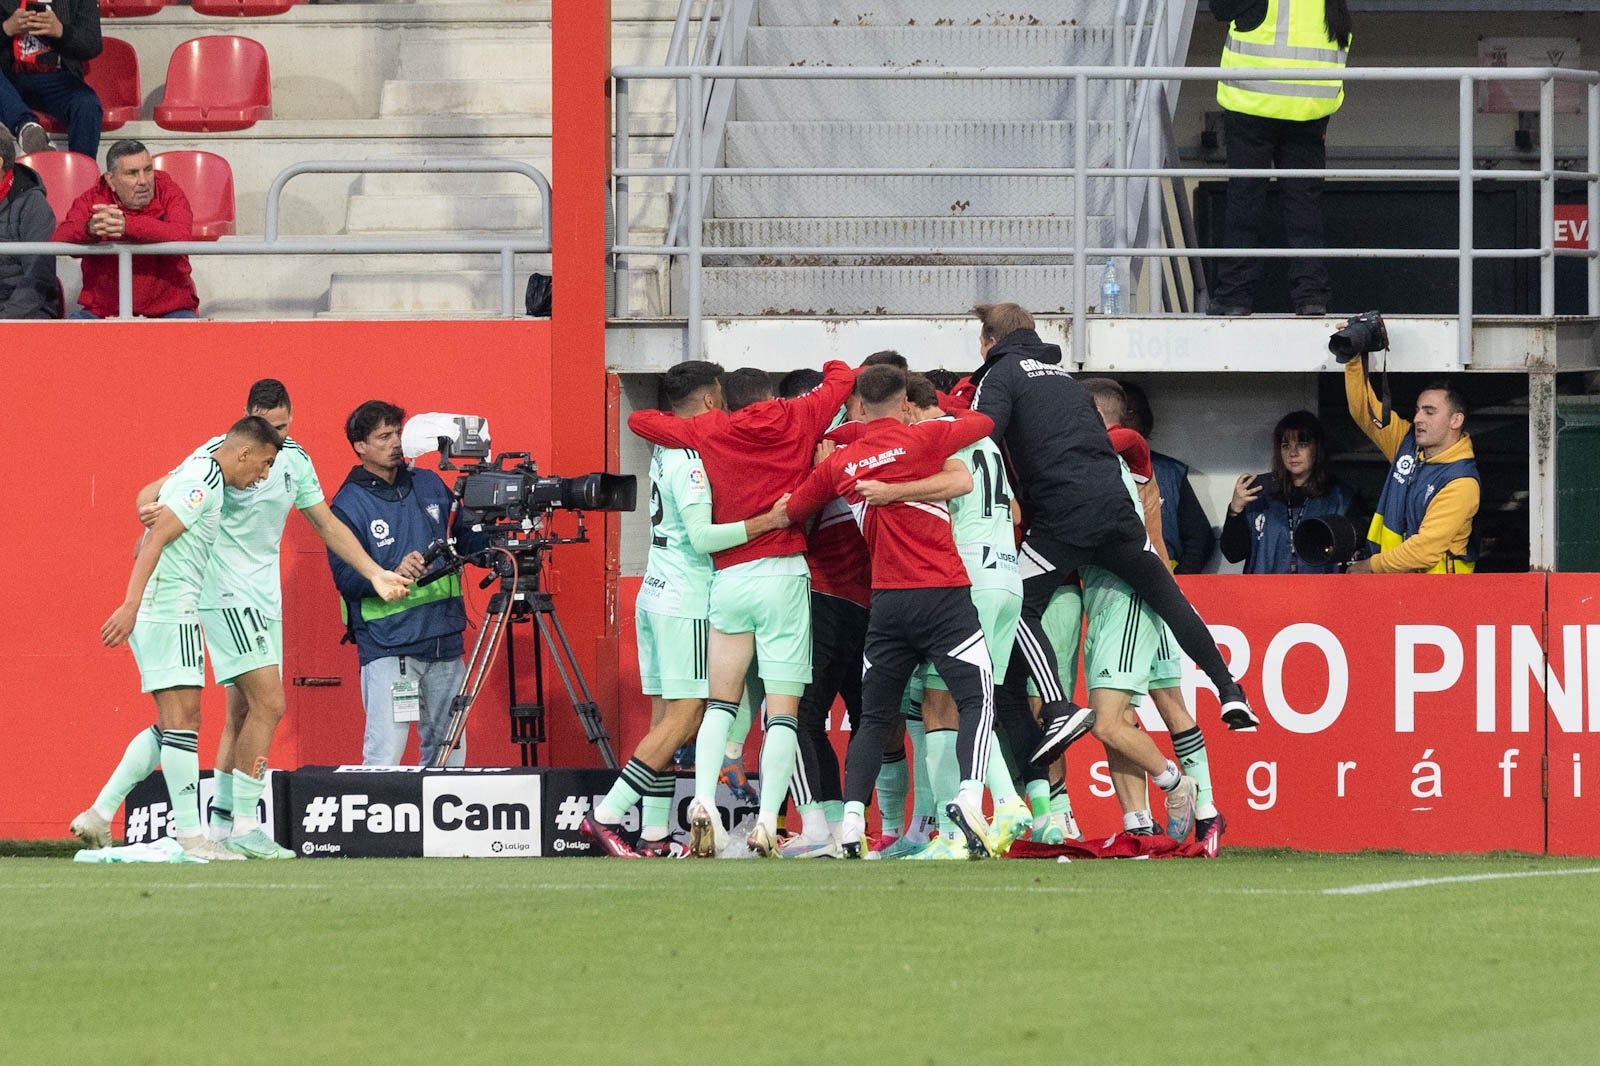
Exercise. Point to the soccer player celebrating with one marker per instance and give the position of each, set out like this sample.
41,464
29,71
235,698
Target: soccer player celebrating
671,618
982,524
1073,489
1156,668
160,619
921,600
754,451
241,615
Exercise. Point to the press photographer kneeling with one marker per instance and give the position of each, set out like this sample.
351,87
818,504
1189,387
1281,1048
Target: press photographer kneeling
1423,523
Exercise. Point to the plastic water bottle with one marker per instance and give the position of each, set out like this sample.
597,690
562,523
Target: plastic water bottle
1110,290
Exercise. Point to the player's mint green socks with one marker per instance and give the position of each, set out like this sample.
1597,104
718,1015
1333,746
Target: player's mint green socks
742,718
893,779
635,780
180,765
921,798
998,776
944,776
657,806
1039,797
709,745
222,806
139,761
1060,802
778,752
1190,748
246,791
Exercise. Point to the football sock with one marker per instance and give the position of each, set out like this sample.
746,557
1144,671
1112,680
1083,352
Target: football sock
833,811
1190,748
922,827
853,826
1137,820
1060,803
247,789
1039,797
744,714
921,798
139,761
813,822
1168,779
998,776
634,781
778,753
709,745
222,805
893,778
658,805
180,765
972,793
944,776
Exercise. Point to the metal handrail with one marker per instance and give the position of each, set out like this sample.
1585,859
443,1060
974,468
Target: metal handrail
1467,79
271,244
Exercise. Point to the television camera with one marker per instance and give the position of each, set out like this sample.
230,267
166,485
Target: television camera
505,508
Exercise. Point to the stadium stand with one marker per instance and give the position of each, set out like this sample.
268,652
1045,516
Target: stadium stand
122,9
245,8
114,77
216,84
66,176
207,180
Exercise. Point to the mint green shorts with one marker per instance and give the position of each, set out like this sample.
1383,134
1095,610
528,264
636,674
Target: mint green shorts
672,656
999,615
1123,636
169,654
777,609
240,640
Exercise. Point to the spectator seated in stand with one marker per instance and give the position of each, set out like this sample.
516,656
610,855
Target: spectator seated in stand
133,202
28,287
1267,508
44,53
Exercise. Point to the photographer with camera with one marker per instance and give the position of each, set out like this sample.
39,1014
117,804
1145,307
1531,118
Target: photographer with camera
1267,509
1424,520
410,649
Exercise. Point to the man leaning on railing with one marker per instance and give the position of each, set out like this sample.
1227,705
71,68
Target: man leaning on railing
133,201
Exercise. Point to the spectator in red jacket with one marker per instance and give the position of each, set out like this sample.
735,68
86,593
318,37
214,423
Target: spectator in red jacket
133,202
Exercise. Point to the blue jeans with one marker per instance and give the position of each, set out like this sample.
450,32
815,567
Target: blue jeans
438,682
64,95
182,312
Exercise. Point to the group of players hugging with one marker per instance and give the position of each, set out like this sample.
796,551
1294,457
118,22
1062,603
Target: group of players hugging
856,536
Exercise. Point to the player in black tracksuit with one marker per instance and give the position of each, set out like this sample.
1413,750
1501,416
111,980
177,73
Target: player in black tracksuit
1079,514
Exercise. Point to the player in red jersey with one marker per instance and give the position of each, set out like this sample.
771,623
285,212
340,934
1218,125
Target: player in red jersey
921,601
754,451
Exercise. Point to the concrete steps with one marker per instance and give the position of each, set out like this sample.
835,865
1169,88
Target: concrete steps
909,124
885,290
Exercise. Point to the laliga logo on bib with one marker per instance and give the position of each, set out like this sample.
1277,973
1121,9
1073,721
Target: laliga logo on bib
379,528
1404,466
433,511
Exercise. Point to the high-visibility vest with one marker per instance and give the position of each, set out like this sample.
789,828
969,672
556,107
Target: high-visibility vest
1294,34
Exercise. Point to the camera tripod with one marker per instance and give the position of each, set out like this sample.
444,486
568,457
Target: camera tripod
517,566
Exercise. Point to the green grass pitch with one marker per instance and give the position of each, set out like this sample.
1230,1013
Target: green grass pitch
1258,957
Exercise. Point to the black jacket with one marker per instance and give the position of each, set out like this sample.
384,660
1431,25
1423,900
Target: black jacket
1068,476
28,286
80,32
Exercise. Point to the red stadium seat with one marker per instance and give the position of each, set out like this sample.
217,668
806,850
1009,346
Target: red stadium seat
66,176
215,84
114,77
122,9
207,180
243,7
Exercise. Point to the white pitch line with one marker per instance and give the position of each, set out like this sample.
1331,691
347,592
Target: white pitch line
1426,882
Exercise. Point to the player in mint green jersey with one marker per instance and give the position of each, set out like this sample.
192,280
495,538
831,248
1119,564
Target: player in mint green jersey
241,614
160,620
672,619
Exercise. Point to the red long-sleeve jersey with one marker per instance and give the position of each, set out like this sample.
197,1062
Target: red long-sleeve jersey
910,543
835,552
754,455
